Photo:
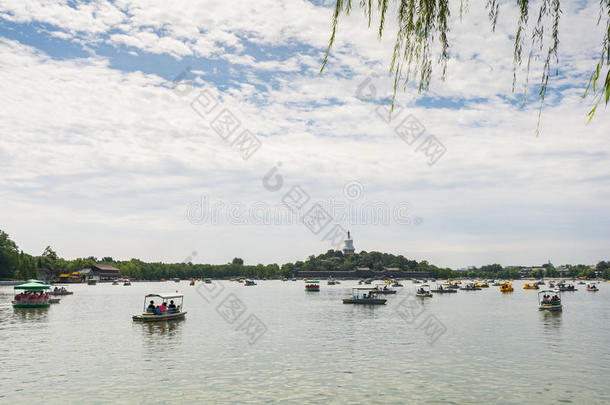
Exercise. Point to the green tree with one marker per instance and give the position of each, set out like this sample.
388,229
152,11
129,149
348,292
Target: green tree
423,22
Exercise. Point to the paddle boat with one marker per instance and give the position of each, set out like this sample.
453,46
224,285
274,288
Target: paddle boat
249,282
331,281
592,287
207,280
126,282
470,287
444,289
530,286
396,283
176,280
91,281
312,285
32,294
155,315
115,282
423,291
564,287
506,287
192,283
293,279
540,282
384,289
548,302
61,291
496,283
364,295
551,284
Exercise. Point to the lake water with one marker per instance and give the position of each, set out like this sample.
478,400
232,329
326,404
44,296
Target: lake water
470,347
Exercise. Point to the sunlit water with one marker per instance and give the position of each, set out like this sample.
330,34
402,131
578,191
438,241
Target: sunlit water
496,348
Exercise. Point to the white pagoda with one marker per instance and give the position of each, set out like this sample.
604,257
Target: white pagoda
348,249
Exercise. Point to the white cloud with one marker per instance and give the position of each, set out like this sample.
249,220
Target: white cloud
99,157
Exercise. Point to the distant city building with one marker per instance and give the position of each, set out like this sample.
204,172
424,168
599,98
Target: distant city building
348,249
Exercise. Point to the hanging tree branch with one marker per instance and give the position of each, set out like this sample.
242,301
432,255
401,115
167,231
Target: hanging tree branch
422,22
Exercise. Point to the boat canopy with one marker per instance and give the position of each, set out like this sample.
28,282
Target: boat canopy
32,286
35,281
312,281
548,291
165,296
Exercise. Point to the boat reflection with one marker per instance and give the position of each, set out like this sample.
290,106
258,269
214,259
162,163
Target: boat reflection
31,314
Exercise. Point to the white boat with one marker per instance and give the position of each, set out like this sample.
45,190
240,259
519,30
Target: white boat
592,287
148,315
549,300
423,291
365,296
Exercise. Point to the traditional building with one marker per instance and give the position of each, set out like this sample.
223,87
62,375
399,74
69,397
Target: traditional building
104,272
348,249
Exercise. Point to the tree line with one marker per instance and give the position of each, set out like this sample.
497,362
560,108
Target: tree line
17,265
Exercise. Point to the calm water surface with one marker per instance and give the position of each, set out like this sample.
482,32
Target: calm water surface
496,348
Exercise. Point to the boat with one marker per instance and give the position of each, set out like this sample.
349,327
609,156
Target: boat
470,287
360,296
540,282
148,316
396,283
192,283
54,300
444,289
506,287
546,302
530,286
91,281
127,282
368,281
566,287
496,284
176,279
115,282
581,282
61,291
207,280
312,285
423,291
384,289
483,284
551,284
293,279
32,294
592,287
331,281
249,282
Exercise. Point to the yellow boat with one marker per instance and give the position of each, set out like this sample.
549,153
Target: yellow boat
506,287
530,286
484,285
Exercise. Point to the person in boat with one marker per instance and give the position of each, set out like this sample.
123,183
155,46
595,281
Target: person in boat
151,307
171,307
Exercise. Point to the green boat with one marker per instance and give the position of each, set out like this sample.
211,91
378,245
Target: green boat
312,285
29,295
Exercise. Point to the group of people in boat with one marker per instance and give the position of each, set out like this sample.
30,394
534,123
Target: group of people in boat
31,297
61,290
162,309
547,299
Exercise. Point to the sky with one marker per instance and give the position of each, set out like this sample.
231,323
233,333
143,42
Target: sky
202,131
